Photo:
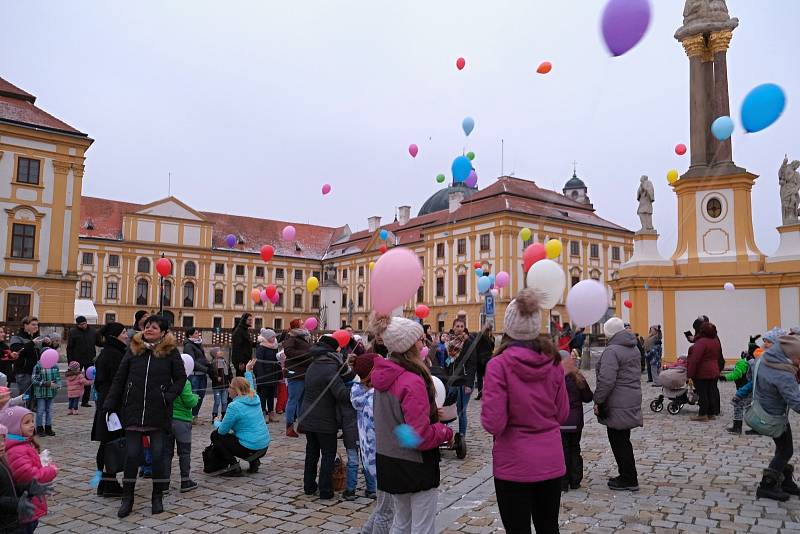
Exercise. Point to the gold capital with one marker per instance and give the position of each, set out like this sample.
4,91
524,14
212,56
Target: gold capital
695,46
719,41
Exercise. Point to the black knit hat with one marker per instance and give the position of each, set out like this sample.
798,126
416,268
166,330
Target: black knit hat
329,341
112,329
80,319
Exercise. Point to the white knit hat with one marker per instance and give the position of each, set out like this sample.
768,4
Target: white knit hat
613,326
522,320
398,333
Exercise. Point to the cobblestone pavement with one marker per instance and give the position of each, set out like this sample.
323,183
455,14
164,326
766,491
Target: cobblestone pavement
694,477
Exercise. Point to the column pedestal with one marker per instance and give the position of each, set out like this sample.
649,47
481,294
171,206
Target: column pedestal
788,250
645,251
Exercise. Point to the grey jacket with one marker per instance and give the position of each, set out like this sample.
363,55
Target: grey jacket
777,386
619,387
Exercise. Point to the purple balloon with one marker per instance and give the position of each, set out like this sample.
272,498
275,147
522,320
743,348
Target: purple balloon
230,240
624,24
472,179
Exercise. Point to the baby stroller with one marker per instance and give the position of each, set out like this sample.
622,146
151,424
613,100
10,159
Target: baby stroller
450,414
674,387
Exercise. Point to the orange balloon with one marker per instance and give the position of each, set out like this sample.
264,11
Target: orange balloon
255,294
545,67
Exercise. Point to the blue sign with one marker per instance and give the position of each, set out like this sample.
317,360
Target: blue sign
488,305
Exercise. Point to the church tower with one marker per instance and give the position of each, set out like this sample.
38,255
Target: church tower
575,189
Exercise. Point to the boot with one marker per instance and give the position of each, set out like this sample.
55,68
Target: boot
770,487
40,431
736,428
290,432
101,488
789,485
156,501
111,487
273,418
49,430
127,500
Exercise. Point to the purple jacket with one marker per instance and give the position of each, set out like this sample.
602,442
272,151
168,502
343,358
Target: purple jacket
524,404
577,396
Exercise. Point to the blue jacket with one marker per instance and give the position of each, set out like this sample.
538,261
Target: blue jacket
777,388
245,419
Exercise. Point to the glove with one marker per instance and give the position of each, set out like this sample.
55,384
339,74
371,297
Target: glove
39,490
25,507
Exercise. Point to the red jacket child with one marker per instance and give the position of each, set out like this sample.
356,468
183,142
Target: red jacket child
75,380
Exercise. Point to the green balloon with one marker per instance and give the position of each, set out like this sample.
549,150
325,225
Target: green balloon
440,178
470,155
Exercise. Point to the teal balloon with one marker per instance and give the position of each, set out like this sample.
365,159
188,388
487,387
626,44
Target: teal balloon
384,235
468,124
491,280
484,284
478,272
762,106
722,128
461,168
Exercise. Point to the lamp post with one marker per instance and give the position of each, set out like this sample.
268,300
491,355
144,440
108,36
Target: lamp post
163,267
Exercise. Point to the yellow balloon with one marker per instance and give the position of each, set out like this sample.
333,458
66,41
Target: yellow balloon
553,249
672,176
371,265
525,234
312,284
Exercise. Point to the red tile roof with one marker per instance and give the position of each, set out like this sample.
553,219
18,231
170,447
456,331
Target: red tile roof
17,106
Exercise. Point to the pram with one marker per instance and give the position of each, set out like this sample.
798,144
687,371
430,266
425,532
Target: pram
676,388
450,413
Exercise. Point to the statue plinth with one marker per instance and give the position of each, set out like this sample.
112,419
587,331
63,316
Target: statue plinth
788,249
645,250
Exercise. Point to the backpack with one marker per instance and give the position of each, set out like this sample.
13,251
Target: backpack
213,461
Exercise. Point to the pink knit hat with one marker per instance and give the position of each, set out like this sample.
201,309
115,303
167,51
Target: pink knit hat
12,417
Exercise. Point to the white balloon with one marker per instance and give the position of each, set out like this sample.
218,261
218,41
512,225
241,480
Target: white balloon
587,302
188,364
548,279
441,394
729,286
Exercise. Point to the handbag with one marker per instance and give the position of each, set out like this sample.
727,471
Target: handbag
759,420
213,461
338,474
114,455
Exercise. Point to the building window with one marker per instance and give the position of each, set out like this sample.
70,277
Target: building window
360,325
87,258
112,290
280,300
143,265
614,253
111,318
316,274
421,294
277,323
238,298
219,268
142,289
259,272
462,246
85,290
258,323
315,301
18,306
113,261
440,286
217,323
574,280
240,270
344,274
188,295
28,171
190,269
360,299
360,272
485,242
462,284
298,275
167,293
594,250
440,250
23,238
298,300
279,273
344,300
574,248
219,296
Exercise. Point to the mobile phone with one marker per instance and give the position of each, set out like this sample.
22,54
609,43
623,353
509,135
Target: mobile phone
688,335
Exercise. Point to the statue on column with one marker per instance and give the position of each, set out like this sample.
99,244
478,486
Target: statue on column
646,195
704,16
789,180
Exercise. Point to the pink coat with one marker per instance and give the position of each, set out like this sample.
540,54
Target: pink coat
23,460
75,385
524,404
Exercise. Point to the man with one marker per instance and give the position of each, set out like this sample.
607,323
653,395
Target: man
242,344
199,377
484,350
577,341
80,348
6,359
27,344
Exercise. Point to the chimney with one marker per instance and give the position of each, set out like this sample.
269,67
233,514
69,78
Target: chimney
455,199
404,215
374,223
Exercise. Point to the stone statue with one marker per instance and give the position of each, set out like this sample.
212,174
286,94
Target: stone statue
646,195
705,16
789,180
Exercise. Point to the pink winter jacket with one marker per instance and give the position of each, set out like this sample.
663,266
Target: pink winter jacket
75,385
525,401
23,460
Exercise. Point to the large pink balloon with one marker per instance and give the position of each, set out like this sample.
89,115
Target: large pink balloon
49,358
501,280
264,297
275,298
326,189
311,323
395,279
413,149
288,233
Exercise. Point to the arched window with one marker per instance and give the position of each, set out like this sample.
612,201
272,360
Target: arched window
142,289
188,294
190,269
143,265
167,293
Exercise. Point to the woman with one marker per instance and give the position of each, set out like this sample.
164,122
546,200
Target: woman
242,433
618,399
268,372
461,365
524,404
652,350
241,344
407,461
149,378
296,346
704,357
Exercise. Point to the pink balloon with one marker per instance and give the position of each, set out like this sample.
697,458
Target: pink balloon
413,149
395,279
311,323
288,233
49,358
501,280
472,179
326,189
495,292
264,297
275,298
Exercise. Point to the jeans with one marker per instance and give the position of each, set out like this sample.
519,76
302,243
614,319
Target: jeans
297,388
521,503
24,386
181,436
620,441
44,410
654,369
709,396
461,404
380,522
266,392
199,385
739,406
74,402
230,449
571,442
133,450
220,401
29,528
783,450
87,393
325,444
415,512
352,473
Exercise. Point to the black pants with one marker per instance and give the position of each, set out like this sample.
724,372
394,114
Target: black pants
266,392
481,371
87,393
134,450
620,441
230,448
521,503
571,441
708,392
783,450
317,443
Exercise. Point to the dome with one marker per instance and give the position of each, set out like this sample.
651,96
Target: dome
575,183
440,200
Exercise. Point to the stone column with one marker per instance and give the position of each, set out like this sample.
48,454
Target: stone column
698,105
718,44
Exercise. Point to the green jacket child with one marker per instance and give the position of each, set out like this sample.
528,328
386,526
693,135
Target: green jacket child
182,407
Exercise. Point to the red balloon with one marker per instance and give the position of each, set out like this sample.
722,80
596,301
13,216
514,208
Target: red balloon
476,265
164,267
628,304
460,62
270,289
342,337
267,252
544,67
532,254
421,311
680,149
383,249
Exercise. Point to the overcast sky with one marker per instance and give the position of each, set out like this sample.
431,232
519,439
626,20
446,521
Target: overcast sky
252,106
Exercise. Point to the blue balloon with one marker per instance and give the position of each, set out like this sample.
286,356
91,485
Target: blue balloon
468,124
491,281
722,127
484,284
762,106
461,168
384,235
479,272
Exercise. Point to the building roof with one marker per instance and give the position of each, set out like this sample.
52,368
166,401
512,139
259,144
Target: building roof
440,200
575,183
17,106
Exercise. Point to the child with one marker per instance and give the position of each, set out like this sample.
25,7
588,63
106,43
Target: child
739,376
220,371
22,454
75,385
45,386
579,392
13,509
181,434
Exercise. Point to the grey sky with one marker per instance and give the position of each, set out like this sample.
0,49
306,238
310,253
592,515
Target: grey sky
254,105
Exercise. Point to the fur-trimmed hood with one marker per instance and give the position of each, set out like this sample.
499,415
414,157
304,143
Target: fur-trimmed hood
167,344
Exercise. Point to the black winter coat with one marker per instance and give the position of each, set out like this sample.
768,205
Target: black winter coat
9,521
241,348
462,370
267,368
28,352
105,367
323,382
80,346
297,349
577,396
146,384
201,362
6,366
